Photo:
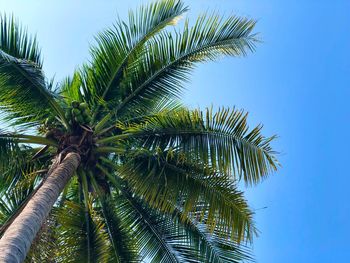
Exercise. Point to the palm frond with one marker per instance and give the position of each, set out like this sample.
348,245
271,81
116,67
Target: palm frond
13,197
161,72
121,45
151,238
163,237
123,247
164,178
139,115
73,237
85,194
44,246
15,41
212,246
19,181
70,89
26,139
15,162
220,140
24,95
150,242
9,149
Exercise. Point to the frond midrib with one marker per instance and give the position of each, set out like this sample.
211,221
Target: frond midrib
184,132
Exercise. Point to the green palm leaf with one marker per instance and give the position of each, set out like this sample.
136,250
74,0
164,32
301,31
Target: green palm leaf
161,72
123,248
162,179
151,238
75,233
15,41
24,93
212,246
70,89
15,163
44,246
165,238
118,47
221,140
15,195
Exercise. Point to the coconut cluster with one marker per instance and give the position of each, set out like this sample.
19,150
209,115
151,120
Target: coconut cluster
78,113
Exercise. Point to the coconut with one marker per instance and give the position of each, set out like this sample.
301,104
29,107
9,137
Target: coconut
83,106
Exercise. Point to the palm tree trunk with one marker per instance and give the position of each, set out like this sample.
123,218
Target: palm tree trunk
16,241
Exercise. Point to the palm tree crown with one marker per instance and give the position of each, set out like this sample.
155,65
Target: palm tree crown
157,182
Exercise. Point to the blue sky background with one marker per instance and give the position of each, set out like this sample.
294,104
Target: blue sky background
296,84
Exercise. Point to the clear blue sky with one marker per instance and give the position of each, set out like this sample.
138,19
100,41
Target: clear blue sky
297,84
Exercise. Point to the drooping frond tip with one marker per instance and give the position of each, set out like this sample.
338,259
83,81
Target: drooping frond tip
15,41
25,95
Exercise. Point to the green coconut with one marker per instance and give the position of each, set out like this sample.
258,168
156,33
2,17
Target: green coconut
83,106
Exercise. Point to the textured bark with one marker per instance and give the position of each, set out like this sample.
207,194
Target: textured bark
16,241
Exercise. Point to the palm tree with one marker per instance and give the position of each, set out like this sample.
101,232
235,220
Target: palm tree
125,172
